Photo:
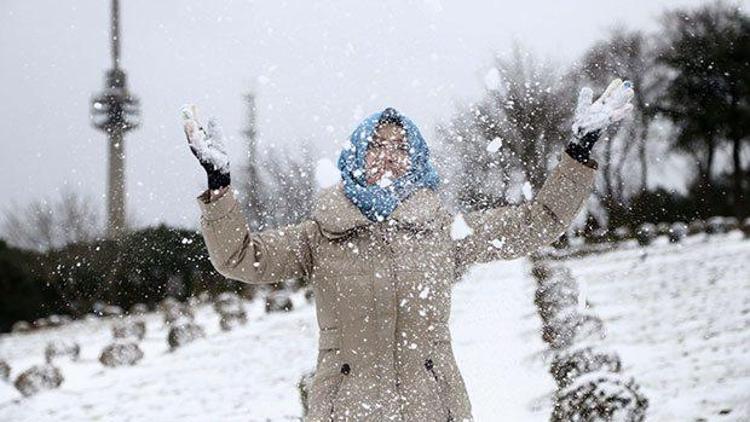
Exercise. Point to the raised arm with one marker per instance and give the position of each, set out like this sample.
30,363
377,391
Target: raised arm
514,231
264,257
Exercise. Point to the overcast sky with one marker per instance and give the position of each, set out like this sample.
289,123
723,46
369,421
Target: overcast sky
317,68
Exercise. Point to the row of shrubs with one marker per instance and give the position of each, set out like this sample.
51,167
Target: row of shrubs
590,384
105,276
676,232
602,239
129,330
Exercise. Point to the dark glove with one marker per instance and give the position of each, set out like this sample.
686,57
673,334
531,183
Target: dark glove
208,147
591,119
580,149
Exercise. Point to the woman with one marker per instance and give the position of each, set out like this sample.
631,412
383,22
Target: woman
378,253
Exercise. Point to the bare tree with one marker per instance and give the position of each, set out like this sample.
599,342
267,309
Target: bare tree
628,55
511,134
290,187
51,223
276,187
536,108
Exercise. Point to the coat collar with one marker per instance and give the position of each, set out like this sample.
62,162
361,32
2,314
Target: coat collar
336,214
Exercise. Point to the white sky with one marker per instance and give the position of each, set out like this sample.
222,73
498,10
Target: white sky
317,68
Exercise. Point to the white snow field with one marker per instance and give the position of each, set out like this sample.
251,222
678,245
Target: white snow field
250,374
679,315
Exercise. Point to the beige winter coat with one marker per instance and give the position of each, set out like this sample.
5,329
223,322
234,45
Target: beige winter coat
383,290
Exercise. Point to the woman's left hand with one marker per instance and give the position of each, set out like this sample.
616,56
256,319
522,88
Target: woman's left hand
591,119
611,107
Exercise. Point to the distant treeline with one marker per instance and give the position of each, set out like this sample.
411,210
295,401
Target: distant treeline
144,267
690,128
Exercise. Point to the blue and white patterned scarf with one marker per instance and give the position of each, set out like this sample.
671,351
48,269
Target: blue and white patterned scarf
377,202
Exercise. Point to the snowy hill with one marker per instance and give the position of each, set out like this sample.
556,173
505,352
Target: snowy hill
251,372
679,315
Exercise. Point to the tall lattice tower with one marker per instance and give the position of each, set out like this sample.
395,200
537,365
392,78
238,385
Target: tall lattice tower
115,112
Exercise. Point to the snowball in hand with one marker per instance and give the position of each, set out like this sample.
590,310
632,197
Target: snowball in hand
208,143
611,107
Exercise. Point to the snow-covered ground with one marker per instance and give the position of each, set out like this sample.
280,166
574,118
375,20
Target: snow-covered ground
679,316
250,374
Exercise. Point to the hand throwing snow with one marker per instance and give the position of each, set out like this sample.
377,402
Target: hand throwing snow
591,119
208,146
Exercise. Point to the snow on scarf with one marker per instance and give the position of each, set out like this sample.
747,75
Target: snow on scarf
377,202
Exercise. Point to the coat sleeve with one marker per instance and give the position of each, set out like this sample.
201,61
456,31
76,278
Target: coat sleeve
514,231
264,257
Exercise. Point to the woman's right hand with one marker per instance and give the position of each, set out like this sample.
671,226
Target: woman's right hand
208,147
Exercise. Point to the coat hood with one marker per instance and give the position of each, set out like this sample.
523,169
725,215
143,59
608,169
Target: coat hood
336,214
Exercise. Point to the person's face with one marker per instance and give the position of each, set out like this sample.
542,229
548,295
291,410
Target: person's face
387,153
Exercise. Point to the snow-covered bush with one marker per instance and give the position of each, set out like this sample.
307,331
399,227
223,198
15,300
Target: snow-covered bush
731,223
662,229
557,293
600,235
677,231
227,302
112,310
186,332
4,370
622,233
121,353
600,397
199,299
21,327
716,225
104,310
568,328
278,301
573,362
231,311
232,317
228,322
696,227
645,234
139,309
746,227
177,313
129,329
303,386
543,271
168,302
58,320
60,347
41,323
38,378
204,296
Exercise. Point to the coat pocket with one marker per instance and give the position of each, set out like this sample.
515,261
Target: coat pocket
325,386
